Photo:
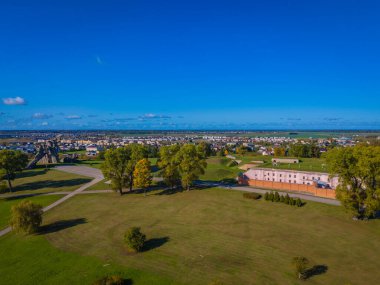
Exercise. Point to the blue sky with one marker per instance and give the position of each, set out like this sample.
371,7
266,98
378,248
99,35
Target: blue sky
190,64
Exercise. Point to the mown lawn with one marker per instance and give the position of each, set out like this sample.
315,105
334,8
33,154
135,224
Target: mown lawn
32,260
41,180
218,169
7,203
196,237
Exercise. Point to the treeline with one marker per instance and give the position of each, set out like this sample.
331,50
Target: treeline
129,166
299,150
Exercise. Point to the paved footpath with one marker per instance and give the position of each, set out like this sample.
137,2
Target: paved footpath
92,172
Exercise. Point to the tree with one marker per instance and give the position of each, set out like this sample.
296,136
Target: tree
191,164
12,162
205,149
279,151
115,168
358,169
135,239
26,217
137,152
142,174
168,165
300,264
241,150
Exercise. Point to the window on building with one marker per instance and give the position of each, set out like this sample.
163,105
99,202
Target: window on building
290,176
295,181
280,175
280,180
295,176
273,174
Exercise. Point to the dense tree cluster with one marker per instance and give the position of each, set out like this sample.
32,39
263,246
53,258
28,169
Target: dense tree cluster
358,169
305,150
128,166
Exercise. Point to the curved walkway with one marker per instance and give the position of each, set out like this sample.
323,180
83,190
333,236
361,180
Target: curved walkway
82,170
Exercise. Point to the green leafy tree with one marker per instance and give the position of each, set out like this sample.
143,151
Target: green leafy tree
137,152
205,149
135,239
358,169
142,174
12,162
300,264
115,167
169,166
26,217
191,164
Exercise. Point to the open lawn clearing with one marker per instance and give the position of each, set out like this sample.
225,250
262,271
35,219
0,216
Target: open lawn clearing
30,260
41,180
218,169
6,204
202,235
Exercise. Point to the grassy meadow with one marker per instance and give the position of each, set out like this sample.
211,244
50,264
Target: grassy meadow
195,237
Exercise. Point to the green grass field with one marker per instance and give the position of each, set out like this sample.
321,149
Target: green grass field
306,164
195,237
7,203
218,169
41,180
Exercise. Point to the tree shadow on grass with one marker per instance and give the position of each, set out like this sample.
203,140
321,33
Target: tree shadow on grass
12,198
169,191
155,243
31,173
61,225
51,184
316,270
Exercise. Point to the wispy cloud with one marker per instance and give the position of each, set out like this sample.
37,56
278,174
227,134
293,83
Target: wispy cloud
154,116
44,124
73,117
98,60
332,119
14,101
41,116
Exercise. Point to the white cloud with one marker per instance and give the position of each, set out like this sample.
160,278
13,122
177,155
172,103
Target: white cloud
41,116
73,117
154,116
14,101
44,124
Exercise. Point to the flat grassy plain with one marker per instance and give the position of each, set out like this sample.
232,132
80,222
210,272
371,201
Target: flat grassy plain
41,180
196,237
218,169
7,203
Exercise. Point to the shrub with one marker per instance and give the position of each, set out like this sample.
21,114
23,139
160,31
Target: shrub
266,196
271,196
135,239
282,198
286,199
276,197
253,196
110,280
299,202
300,263
26,217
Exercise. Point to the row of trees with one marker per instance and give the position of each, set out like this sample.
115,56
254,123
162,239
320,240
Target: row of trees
305,150
129,166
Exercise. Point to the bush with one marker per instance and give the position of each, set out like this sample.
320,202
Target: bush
135,239
286,199
266,196
282,198
26,217
271,196
299,202
110,280
276,197
253,196
300,265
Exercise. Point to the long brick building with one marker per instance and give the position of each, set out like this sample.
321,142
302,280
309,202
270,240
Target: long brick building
316,183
